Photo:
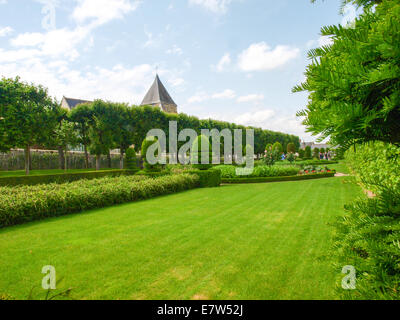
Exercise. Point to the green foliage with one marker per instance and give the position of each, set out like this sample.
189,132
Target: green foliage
131,159
59,178
277,179
277,147
291,148
270,157
307,153
28,115
316,153
368,237
301,153
207,178
354,84
147,143
290,157
259,171
203,147
60,199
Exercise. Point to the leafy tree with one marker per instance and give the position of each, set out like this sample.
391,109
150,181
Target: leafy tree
203,147
82,116
354,83
131,159
307,153
28,116
101,130
291,148
301,153
277,147
123,129
66,137
147,143
316,153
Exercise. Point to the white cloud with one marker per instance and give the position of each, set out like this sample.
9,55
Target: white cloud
175,50
350,14
224,62
102,11
226,94
198,97
261,57
176,82
6,31
215,6
251,98
255,118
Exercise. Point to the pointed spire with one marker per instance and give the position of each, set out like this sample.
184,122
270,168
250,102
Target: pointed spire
158,95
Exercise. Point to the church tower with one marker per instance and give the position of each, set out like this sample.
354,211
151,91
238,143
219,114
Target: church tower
158,96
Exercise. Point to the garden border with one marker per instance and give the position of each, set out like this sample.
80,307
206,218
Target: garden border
277,179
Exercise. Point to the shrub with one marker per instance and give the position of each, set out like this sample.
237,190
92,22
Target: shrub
277,147
147,143
131,159
196,158
259,171
301,153
368,237
60,177
307,152
27,203
291,148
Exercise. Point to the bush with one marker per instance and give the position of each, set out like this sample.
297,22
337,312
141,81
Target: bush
196,158
277,179
131,159
277,147
260,171
60,177
368,236
27,203
307,153
291,148
301,153
147,143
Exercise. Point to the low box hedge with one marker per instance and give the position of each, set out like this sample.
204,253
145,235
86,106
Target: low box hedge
278,179
61,177
208,178
27,203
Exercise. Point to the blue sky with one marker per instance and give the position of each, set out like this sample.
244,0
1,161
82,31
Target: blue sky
232,60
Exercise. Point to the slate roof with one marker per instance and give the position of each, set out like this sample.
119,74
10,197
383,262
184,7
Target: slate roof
72,103
157,94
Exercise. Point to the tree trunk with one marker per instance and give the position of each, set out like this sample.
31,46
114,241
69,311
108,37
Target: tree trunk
86,156
98,162
27,159
121,160
61,159
109,159
66,159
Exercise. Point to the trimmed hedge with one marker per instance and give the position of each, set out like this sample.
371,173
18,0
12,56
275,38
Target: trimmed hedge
27,203
60,177
278,179
229,172
207,178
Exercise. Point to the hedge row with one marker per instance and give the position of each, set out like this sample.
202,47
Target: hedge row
27,203
229,172
60,177
277,179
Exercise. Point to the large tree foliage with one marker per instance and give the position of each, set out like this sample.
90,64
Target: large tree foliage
354,83
28,116
82,115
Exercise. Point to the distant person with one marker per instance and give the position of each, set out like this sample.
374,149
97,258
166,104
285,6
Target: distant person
321,156
283,157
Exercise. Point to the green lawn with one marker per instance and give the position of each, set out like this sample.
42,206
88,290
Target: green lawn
19,173
258,241
340,167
